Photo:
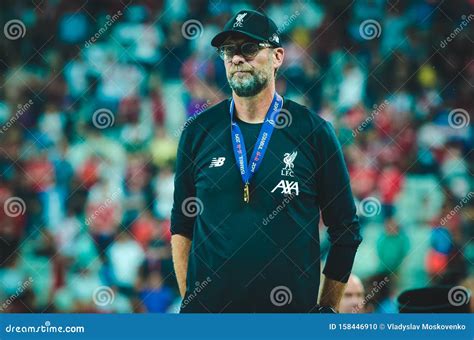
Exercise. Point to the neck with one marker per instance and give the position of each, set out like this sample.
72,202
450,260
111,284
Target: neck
254,109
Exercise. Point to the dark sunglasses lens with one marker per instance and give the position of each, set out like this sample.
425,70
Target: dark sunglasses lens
249,50
227,51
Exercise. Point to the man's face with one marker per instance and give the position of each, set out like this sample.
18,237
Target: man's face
247,77
353,299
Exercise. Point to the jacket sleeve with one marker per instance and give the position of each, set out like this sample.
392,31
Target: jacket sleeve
337,205
182,217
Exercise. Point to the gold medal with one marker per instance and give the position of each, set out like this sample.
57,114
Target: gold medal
246,193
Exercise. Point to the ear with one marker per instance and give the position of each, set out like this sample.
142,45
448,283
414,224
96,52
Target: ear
278,56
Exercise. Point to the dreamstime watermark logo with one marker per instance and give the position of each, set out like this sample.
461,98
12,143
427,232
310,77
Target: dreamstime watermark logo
370,29
199,287
46,328
369,207
199,109
281,295
14,29
103,296
457,208
192,29
101,207
279,208
22,287
21,109
192,206
377,286
283,119
111,19
458,118
103,118
377,109
458,296
288,20
14,207
457,30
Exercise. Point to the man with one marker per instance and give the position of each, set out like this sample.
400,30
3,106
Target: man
245,235
353,298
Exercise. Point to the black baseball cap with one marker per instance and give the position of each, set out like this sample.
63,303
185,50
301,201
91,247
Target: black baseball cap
253,24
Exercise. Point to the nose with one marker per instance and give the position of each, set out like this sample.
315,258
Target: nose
237,59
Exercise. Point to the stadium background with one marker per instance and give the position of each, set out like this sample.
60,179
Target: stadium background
94,96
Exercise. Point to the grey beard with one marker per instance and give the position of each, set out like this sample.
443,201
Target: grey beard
248,88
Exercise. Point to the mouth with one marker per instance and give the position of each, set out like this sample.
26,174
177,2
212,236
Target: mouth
240,73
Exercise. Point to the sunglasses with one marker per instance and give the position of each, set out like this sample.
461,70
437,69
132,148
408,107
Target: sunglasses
247,50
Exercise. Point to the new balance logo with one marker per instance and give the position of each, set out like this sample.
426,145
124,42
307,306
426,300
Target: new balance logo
217,162
287,187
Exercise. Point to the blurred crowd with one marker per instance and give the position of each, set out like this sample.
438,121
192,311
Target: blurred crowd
94,96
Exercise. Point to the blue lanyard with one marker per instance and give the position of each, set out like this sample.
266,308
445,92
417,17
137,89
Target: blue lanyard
238,143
